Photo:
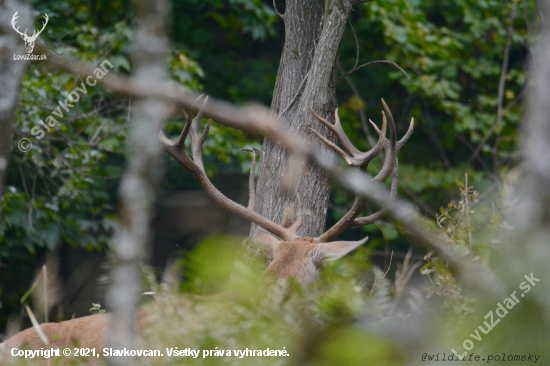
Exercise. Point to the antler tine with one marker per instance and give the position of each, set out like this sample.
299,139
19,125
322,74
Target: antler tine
185,116
391,155
350,219
251,179
407,136
371,219
192,107
357,158
364,159
205,132
299,216
378,132
404,139
338,131
196,140
345,222
333,146
196,167
178,145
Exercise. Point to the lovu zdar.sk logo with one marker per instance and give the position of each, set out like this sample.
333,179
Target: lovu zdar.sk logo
29,40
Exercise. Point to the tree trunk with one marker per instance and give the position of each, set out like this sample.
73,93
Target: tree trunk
306,79
11,74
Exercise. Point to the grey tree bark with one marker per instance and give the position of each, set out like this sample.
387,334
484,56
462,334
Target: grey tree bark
140,180
11,74
306,79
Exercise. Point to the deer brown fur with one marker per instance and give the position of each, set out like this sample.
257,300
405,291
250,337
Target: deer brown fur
85,332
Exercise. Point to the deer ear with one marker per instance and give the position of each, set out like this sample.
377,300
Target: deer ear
267,241
337,249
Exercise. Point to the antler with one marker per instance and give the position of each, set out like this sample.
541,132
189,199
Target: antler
176,149
13,19
361,160
357,158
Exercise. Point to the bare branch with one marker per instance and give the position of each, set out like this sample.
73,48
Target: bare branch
375,62
356,44
501,84
282,16
362,114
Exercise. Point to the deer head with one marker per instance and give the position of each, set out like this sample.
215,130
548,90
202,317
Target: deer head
29,40
295,256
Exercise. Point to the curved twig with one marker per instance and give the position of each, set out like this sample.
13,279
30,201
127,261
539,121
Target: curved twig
375,62
295,95
282,16
356,44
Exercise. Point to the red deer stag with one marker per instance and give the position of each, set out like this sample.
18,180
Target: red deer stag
293,256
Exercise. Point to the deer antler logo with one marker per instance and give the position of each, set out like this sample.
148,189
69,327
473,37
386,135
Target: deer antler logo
29,40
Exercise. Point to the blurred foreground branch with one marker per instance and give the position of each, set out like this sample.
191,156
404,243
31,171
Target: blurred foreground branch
530,251
137,190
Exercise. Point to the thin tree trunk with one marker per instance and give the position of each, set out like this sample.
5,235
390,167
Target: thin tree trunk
11,74
141,178
306,79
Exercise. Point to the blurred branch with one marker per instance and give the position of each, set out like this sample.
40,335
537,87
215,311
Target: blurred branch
282,16
531,214
418,201
356,44
433,137
137,190
357,2
372,63
478,157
